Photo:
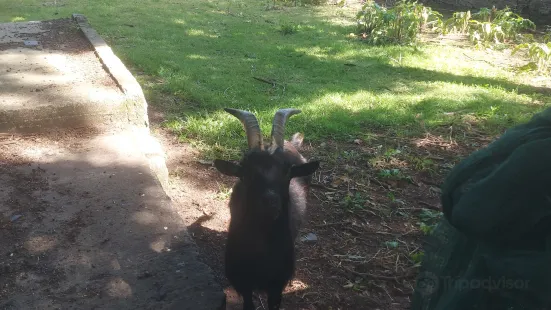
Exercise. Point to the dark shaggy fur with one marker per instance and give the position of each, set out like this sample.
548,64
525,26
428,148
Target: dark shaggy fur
267,207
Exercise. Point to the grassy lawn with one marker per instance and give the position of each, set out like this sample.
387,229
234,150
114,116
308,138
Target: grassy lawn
204,56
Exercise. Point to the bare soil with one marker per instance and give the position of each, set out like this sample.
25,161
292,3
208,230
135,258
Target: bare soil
83,222
364,255
61,69
58,34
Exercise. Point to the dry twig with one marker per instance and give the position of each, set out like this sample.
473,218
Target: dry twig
333,224
265,81
430,206
379,277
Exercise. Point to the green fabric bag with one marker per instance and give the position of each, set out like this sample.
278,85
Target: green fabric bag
492,248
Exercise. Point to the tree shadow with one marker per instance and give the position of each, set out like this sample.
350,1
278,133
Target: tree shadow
85,224
210,52
61,87
482,110
75,234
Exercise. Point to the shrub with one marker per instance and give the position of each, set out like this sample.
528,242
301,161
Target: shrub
399,24
487,27
288,28
539,54
458,23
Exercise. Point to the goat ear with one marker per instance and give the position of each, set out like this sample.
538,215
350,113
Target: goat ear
228,168
304,169
297,140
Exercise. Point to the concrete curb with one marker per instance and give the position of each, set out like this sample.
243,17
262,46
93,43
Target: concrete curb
137,109
114,66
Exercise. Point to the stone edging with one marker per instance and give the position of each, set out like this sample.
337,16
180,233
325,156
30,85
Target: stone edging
137,114
118,71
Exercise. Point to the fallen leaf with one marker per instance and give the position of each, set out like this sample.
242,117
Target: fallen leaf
336,182
346,178
348,285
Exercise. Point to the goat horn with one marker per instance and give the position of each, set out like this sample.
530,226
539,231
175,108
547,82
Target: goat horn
278,126
250,123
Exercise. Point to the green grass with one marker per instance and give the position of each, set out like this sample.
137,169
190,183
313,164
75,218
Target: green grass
198,56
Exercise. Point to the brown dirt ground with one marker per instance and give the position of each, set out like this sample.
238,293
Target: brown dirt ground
60,244
18,262
363,258
64,68
63,34
74,235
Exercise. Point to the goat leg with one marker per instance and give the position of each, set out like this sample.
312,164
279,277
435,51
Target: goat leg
274,299
248,300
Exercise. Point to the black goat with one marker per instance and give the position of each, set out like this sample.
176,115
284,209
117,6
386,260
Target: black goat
267,206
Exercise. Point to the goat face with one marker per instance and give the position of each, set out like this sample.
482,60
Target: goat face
266,173
266,177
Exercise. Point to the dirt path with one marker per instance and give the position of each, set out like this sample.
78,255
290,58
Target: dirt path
86,226
84,222
50,75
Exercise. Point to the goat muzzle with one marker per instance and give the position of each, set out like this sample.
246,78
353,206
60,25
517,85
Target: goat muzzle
272,203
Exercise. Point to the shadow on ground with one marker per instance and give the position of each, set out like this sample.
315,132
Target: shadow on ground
340,89
367,225
59,82
211,50
85,224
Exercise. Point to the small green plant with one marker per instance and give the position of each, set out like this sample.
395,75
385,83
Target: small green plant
539,54
485,14
351,155
223,192
429,220
391,173
417,257
391,152
286,29
399,24
394,174
391,244
427,215
458,23
422,164
426,229
353,202
297,2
